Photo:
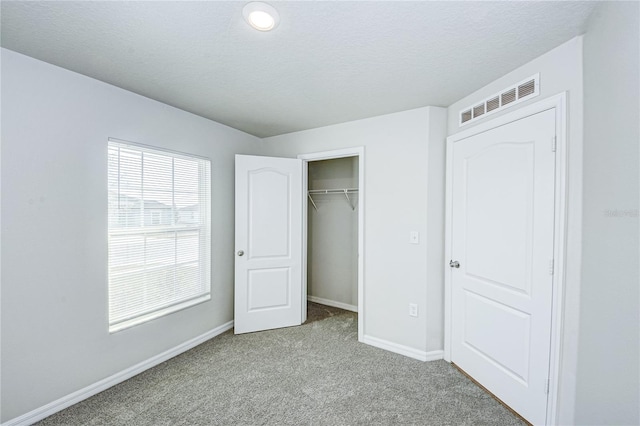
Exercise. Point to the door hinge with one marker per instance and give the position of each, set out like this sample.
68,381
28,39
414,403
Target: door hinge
551,267
547,386
553,144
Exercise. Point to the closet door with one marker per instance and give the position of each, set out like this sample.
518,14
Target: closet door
502,270
268,246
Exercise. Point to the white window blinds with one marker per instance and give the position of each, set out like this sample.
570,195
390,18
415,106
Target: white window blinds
159,233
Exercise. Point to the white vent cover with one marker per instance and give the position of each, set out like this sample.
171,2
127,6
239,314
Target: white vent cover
526,89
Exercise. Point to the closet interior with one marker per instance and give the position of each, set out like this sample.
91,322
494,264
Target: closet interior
332,232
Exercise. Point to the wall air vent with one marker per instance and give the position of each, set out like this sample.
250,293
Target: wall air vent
508,96
526,89
493,104
478,110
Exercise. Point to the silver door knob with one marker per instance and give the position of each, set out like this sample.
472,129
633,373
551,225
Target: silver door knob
454,264
240,253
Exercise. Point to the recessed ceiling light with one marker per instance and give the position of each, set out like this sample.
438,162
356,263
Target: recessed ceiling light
261,16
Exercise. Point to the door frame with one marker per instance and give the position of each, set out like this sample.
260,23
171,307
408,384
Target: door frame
559,103
331,155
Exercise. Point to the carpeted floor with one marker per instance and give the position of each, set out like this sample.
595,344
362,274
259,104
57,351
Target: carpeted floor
317,374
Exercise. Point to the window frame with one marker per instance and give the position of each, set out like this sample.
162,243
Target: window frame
204,250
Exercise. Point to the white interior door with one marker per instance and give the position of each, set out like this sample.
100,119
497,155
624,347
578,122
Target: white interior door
268,246
502,239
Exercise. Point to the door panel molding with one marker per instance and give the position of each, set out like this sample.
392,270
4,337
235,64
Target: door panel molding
559,104
276,232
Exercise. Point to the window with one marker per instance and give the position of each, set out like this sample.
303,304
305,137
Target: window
159,233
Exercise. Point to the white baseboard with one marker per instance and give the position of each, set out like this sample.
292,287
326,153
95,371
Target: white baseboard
328,302
403,350
434,355
75,397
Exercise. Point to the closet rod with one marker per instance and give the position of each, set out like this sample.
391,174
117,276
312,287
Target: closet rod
333,191
345,191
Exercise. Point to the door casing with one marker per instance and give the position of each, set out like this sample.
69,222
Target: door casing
330,155
557,102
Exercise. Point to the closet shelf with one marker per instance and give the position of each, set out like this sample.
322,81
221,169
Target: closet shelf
343,191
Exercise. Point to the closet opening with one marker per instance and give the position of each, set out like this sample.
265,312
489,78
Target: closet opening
333,231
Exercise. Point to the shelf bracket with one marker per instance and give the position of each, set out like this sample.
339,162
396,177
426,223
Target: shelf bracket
314,204
349,200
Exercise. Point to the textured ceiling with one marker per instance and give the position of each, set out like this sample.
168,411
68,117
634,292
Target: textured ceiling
326,63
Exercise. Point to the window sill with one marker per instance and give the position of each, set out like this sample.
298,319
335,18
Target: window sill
157,314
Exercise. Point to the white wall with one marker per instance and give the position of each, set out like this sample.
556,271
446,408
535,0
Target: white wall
434,239
560,70
332,267
54,308
599,378
608,364
397,179
55,337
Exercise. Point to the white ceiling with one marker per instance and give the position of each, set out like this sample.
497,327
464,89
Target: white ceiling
327,62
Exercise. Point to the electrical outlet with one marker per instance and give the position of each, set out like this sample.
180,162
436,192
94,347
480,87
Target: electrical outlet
414,237
413,310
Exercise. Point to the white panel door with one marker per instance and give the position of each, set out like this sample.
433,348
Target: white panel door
502,239
268,247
